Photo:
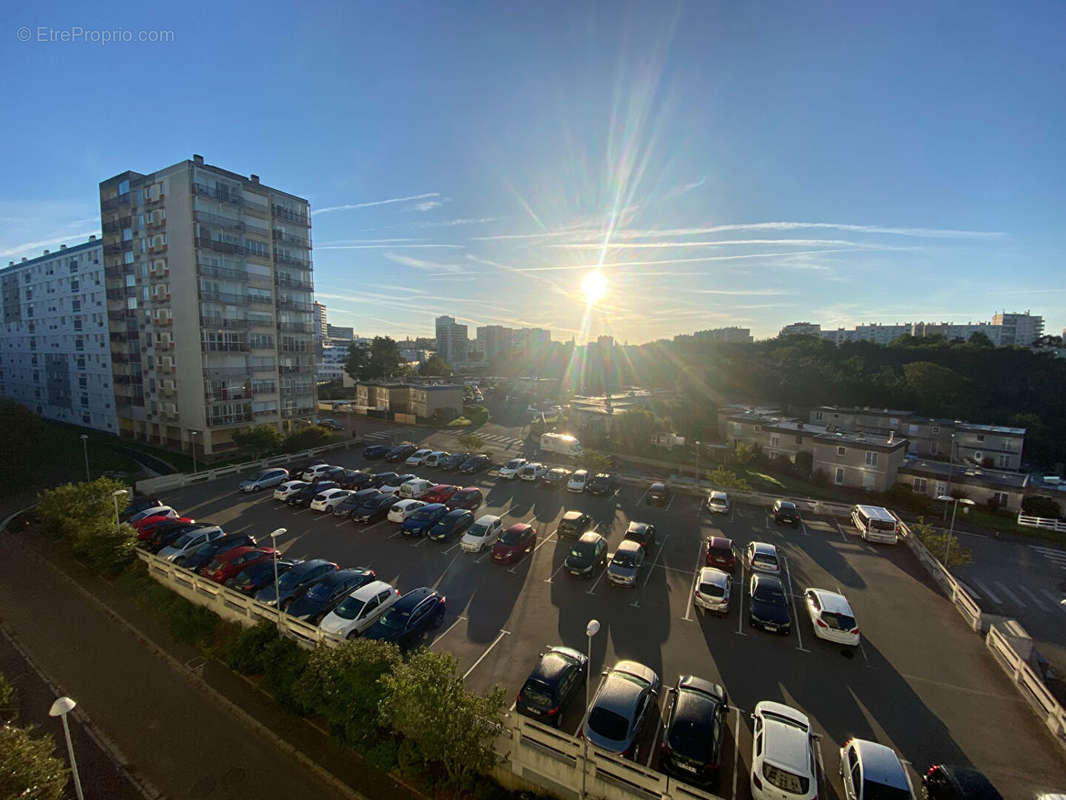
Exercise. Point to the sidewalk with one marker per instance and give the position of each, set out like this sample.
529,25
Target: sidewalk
165,710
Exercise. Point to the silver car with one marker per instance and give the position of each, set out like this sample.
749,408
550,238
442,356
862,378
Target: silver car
267,479
189,541
620,708
626,563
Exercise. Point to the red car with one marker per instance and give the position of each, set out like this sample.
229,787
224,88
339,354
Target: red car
441,493
228,564
145,527
514,543
721,553
469,497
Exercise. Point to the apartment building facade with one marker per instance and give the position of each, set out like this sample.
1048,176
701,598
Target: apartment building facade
934,479
55,348
209,293
859,460
452,341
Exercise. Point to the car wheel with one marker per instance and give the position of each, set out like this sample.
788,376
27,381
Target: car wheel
352,635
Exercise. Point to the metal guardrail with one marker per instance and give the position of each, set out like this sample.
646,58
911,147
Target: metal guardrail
963,601
1047,523
1028,684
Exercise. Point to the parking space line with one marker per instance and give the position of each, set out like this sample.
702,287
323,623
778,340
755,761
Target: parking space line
1055,601
421,541
736,751
840,531
445,552
1010,594
640,500
561,565
670,502
398,533
495,642
803,527
592,589
655,739
692,591
483,556
740,611
824,779
792,600
541,544
863,651
987,591
1036,600
447,630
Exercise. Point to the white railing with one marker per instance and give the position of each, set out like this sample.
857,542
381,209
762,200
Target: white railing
1048,523
1029,685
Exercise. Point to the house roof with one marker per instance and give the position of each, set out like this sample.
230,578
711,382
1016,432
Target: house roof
958,474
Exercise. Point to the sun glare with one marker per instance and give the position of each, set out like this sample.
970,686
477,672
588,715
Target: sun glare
594,286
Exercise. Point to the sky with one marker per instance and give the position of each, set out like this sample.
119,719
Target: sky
720,163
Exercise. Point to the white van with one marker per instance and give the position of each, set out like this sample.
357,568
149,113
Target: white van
875,524
560,443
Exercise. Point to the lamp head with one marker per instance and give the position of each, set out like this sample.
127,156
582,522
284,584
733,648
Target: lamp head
119,492
278,532
592,628
63,705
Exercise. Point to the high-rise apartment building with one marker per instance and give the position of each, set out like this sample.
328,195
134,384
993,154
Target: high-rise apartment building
494,340
1019,329
452,340
340,332
55,348
209,297
531,341
321,325
801,329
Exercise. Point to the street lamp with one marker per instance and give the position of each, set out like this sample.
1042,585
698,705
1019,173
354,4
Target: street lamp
193,442
590,630
945,498
277,592
60,708
115,495
85,449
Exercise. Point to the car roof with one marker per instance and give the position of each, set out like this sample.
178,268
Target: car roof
519,526
785,745
619,694
712,575
636,669
657,485
786,504
432,507
590,536
764,549
970,780
880,764
371,589
581,472
762,577
832,602
486,519
719,543
412,598
719,495
409,501
442,486
700,685
469,489
553,664
456,513
637,527
628,545
570,515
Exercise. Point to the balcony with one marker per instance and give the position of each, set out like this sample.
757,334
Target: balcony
225,372
214,194
117,248
161,298
295,305
254,207
155,202
293,241
115,202
229,419
288,261
291,283
116,225
224,347
209,295
218,221
208,271
287,215
165,321
157,226
223,323
157,249
229,248
116,294
296,327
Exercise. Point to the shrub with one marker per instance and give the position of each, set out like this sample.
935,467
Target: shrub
245,652
727,479
29,767
382,754
284,662
1041,506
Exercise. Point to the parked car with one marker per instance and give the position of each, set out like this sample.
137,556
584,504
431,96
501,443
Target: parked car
227,564
469,497
267,479
620,708
768,604
296,468
163,534
554,682
475,463
206,553
138,504
157,511
948,782
509,471
452,461
483,533
346,506
602,483
393,487
322,596
190,540
316,470
253,578
289,488
402,509
643,534
375,451
832,617
532,471
373,509
718,503
720,552
556,477
354,479
626,563
434,458
588,554
334,474
379,479
871,771
423,519
416,488
785,511
657,495
400,453
410,618
782,760
328,500
713,590
693,727
330,424
360,609
578,480
452,525
514,542
147,526
417,458
762,557
297,579
440,493
575,523
305,496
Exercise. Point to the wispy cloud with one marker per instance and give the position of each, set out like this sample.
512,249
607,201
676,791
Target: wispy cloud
367,241
724,243
451,223
427,205
929,233
739,292
69,238
423,264
371,203
385,246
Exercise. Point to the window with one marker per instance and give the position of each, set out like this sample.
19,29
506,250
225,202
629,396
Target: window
818,415
74,285
124,187
871,458
918,485
980,437
147,193
841,451
999,498
127,257
75,305
936,429
978,455
839,477
1004,460
127,234
774,441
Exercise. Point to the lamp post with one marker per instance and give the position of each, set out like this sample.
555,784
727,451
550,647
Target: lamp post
944,498
85,450
60,708
192,440
951,469
115,496
277,592
590,630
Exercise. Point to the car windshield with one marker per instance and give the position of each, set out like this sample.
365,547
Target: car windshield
462,497
478,529
511,536
514,463
691,737
184,539
395,618
425,514
712,590
842,622
764,560
350,608
321,591
608,724
785,780
880,791
583,550
625,558
722,551
291,579
537,693
769,593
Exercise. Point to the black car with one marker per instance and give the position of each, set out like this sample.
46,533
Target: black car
372,509
602,483
139,504
556,477
409,618
947,782
785,511
303,498
588,554
353,501
334,474
657,494
206,553
451,525
453,461
259,574
642,533
400,452
694,721
769,605
292,585
375,451
474,464
379,479
557,679
297,468
323,596
469,497
353,479
575,523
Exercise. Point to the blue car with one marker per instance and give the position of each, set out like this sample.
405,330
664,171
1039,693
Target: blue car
295,581
375,451
452,524
409,618
424,519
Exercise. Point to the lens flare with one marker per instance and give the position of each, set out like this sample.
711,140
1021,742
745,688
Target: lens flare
594,286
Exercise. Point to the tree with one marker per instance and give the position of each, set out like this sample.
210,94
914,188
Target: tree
435,366
1041,506
84,515
427,704
633,430
727,479
260,440
744,453
29,767
471,442
385,360
306,438
595,461
357,361
980,339
944,546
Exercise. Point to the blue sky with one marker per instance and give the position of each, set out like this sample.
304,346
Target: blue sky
726,163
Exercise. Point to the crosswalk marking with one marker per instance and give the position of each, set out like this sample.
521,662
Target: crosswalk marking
1055,600
1009,593
1051,554
987,591
1036,600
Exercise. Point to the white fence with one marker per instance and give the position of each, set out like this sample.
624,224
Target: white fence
962,600
1057,525
1028,684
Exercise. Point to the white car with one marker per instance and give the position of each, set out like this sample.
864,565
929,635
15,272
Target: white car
718,503
713,589
832,617
403,509
394,487
288,489
483,533
578,481
782,760
533,471
315,471
329,499
189,541
418,457
155,511
762,557
433,459
509,470
416,488
265,480
359,610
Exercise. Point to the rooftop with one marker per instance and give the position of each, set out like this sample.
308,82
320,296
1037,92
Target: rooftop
890,442
62,251
959,474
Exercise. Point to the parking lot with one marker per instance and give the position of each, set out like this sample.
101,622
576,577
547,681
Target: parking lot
921,682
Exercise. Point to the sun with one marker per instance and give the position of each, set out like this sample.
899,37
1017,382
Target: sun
594,286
